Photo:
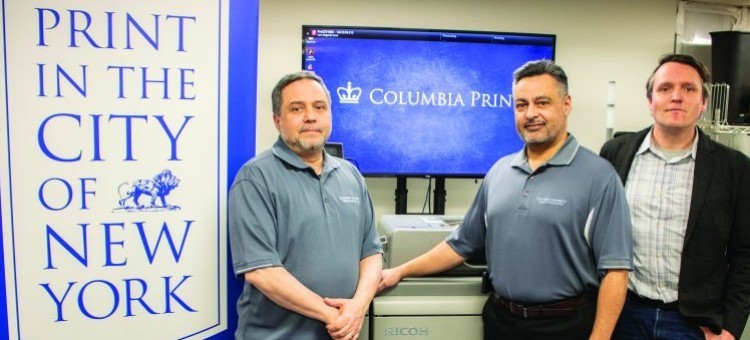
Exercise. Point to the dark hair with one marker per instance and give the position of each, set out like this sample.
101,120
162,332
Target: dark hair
540,67
288,79
685,59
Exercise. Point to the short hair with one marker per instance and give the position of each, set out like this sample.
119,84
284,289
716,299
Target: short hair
288,79
684,59
541,67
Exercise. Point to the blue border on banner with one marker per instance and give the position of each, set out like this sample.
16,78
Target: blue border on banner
242,87
3,301
4,308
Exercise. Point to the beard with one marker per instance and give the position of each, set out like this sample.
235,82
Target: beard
304,145
546,136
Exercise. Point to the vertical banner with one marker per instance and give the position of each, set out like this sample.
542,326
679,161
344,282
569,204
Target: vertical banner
113,172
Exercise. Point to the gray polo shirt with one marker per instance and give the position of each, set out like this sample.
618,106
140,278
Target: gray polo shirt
548,234
317,227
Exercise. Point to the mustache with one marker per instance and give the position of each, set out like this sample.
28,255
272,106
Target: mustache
534,122
310,128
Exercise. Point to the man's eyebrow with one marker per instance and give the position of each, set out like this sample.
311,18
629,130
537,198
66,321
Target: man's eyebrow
303,102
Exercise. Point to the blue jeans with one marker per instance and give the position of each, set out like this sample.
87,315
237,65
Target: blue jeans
639,322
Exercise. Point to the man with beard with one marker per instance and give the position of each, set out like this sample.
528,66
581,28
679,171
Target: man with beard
301,227
552,222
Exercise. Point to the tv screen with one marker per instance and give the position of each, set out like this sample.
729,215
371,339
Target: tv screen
421,102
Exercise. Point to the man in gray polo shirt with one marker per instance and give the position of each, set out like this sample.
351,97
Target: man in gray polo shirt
553,223
301,228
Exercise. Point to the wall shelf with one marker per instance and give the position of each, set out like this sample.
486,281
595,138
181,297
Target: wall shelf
713,120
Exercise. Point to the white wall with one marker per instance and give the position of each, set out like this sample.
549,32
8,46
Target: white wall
597,41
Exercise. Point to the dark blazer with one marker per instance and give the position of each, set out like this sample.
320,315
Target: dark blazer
714,286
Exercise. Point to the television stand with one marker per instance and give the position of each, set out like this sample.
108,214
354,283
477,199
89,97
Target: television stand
439,195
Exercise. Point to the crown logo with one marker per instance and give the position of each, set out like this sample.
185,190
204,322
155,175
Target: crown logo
349,94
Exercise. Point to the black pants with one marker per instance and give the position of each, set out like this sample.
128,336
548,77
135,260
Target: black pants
499,323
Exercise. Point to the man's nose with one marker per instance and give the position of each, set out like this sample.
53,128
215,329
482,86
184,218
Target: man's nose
676,95
310,115
531,112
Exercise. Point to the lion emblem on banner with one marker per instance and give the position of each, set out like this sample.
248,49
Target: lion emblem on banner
156,188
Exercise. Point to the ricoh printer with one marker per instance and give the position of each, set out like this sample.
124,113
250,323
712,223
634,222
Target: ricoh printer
444,306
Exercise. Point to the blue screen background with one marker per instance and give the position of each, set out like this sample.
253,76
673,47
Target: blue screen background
459,139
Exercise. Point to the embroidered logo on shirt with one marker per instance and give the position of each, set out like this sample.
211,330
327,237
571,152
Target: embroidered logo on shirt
551,201
349,199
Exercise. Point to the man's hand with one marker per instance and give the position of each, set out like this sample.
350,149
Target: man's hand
438,259
725,335
389,278
331,314
350,319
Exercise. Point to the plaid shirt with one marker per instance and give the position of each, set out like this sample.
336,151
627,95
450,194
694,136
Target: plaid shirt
659,190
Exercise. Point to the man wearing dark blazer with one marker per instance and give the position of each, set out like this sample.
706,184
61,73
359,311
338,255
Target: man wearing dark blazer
689,199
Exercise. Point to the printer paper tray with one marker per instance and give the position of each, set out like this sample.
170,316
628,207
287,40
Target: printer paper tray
428,305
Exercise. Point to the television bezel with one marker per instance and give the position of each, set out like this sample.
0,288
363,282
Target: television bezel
307,27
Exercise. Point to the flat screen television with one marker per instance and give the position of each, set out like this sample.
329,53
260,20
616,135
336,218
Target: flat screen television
421,102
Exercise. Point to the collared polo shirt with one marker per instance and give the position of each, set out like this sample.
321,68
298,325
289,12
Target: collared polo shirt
281,213
548,234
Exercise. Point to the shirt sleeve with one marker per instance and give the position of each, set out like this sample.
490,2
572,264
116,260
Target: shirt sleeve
252,226
371,242
468,239
611,232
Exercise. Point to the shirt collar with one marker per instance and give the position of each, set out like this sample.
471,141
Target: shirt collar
562,157
286,154
647,144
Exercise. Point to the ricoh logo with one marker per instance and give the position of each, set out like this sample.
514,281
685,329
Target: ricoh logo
407,331
389,97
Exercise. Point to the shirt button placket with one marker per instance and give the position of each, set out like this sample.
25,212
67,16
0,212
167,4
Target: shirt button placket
525,193
324,196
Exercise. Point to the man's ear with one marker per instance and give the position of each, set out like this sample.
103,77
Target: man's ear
568,105
276,119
